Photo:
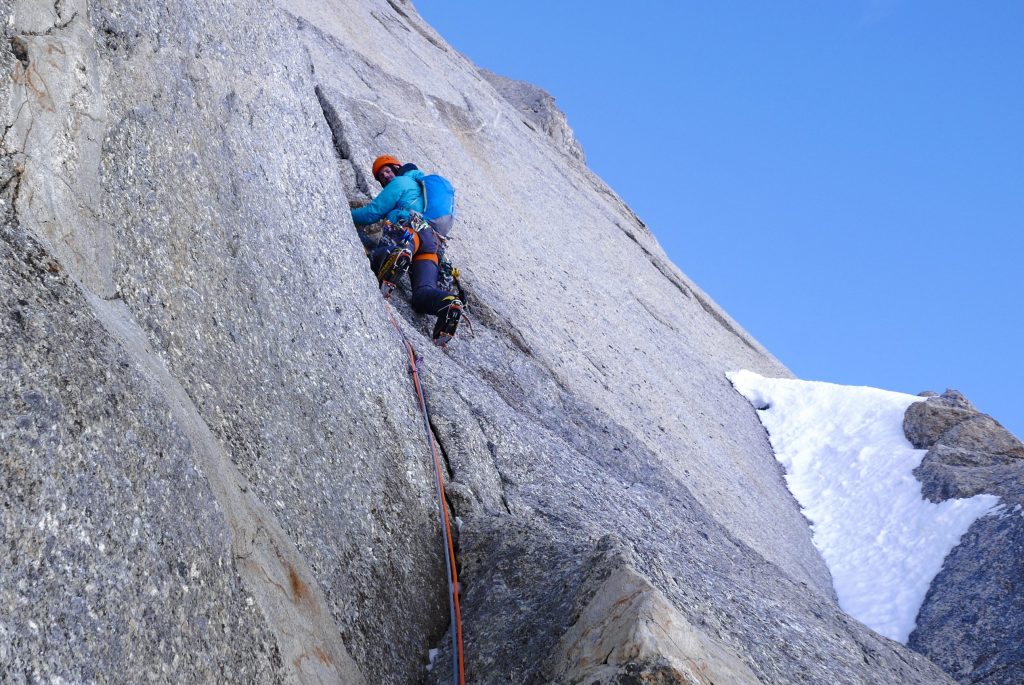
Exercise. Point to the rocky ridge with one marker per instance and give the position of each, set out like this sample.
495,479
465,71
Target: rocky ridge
212,465
970,622
539,110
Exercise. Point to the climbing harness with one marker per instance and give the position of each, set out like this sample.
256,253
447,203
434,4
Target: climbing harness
400,235
458,665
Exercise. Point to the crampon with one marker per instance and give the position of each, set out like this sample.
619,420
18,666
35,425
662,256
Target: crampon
447,322
396,264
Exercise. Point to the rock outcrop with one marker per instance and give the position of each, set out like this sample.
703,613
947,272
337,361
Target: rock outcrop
212,468
538,108
971,620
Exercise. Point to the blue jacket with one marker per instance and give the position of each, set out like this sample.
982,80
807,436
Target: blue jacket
401,196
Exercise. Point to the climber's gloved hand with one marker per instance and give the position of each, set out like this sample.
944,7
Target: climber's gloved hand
357,203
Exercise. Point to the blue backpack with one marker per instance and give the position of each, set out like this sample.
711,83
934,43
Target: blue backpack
438,203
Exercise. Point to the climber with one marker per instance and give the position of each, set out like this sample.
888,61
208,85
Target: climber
409,244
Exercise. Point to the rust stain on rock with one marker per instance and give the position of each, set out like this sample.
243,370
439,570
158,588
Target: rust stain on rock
628,598
300,592
319,652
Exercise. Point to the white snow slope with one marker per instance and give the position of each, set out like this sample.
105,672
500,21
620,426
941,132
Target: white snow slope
849,465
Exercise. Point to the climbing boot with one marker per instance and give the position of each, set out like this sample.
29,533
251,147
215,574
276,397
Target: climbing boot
447,320
394,265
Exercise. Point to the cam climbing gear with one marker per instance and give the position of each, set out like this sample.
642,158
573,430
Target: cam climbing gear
458,660
447,274
399,232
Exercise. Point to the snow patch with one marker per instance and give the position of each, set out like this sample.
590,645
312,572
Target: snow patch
850,466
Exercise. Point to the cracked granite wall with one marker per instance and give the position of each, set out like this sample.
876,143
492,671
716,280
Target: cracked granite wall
181,278
194,217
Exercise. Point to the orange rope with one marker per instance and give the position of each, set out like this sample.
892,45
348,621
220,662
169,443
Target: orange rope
458,667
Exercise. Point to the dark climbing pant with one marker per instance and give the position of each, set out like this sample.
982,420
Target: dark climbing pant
423,272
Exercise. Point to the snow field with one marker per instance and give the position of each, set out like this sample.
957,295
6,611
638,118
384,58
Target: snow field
849,466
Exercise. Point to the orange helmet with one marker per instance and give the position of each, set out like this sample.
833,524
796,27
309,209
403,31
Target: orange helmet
383,161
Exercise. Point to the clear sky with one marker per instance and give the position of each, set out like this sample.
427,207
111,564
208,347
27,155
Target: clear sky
845,177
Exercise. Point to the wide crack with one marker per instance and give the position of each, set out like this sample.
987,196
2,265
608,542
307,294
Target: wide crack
343,148
341,144
20,50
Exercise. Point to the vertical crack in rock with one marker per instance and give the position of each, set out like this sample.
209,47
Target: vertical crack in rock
503,480
13,169
436,433
10,126
451,484
20,50
334,123
341,143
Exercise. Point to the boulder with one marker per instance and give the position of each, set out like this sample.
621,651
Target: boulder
925,422
629,630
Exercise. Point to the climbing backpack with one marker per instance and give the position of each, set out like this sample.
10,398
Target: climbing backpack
438,203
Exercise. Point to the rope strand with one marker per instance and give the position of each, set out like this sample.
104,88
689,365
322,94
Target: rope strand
458,663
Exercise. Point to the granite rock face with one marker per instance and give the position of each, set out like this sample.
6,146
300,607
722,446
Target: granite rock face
213,468
970,622
207,251
101,573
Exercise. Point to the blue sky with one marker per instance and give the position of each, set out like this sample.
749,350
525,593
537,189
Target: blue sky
846,178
